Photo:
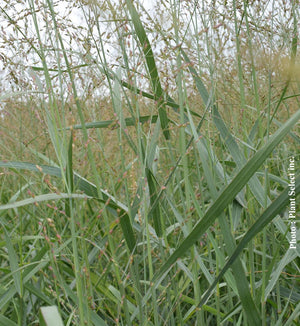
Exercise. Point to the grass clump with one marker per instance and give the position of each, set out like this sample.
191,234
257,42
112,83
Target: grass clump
145,164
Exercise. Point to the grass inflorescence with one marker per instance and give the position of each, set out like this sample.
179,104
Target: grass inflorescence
146,163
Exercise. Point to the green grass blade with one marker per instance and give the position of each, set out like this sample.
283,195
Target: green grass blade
111,75
112,123
267,216
49,316
155,214
292,134
87,187
289,256
241,282
230,142
229,193
39,294
229,241
199,84
42,198
69,175
36,265
84,185
238,156
293,317
128,231
6,322
13,262
96,319
69,167
148,53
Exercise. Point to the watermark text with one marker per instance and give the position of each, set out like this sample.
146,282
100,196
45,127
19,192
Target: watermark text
292,203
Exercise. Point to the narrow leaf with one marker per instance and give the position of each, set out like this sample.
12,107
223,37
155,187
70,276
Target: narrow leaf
228,194
230,142
268,215
13,261
87,187
155,214
49,316
111,123
42,198
6,322
148,53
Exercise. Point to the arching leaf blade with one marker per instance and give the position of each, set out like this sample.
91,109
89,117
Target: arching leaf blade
228,194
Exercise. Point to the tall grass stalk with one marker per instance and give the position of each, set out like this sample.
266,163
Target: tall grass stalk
153,186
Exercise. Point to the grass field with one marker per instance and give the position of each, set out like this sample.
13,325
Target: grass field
149,164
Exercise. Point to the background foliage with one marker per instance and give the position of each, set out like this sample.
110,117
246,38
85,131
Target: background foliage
144,162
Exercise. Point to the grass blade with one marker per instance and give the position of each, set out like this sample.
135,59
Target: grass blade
84,185
230,142
49,316
148,53
289,256
229,193
6,322
267,216
155,214
90,190
36,265
69,176
111,123
13,262
41,198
